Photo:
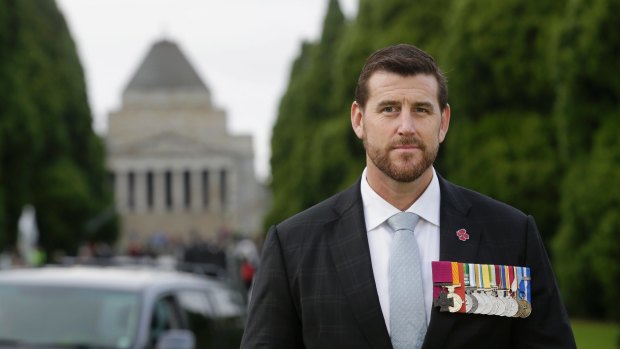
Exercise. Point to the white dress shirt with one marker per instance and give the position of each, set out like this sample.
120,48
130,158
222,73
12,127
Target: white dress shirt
376,212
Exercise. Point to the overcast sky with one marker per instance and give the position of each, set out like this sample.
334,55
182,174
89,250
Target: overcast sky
242,49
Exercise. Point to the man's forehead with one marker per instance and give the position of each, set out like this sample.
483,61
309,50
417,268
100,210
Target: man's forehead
381,75
383,84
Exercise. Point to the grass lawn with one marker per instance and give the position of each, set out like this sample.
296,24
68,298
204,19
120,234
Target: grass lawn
596,335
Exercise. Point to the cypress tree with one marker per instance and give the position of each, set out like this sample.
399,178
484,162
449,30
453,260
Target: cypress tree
305,105
587,121
501,140
50,156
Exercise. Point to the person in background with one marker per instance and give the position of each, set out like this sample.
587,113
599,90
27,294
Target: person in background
246,271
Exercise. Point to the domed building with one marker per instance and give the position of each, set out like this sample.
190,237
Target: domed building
177,171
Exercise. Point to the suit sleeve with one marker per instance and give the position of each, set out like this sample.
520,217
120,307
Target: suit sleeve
548,326
273,321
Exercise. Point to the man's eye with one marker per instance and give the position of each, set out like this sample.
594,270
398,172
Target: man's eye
389,109
421,110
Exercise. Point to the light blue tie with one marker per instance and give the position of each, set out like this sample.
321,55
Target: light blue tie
407,312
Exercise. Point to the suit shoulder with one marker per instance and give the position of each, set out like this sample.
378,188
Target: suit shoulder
321,213
485,203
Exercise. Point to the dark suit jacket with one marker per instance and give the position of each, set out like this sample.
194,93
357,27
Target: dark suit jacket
315,286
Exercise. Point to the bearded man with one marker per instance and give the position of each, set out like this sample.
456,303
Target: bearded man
357,270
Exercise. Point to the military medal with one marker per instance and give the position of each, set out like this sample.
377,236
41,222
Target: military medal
476,291
511,291
486,279
495,284
442,277
482,289
503,293
483,302
516,291
512,302
520,294
471,303
443,302
501,296
501,306
525,305
459,271
457,302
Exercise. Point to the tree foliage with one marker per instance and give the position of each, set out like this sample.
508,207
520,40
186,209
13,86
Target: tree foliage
49,154
585,69
501,141
303,108
587,118
534,93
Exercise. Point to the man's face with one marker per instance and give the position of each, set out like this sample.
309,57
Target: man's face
401,125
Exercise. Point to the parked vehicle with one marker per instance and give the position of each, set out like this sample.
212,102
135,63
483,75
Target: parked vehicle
117,308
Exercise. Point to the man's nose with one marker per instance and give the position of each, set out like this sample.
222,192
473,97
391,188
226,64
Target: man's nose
406,123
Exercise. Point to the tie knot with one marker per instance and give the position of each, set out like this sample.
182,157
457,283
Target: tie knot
403,220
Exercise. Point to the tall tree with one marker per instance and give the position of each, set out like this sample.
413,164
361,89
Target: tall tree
585,56
305,105
501,141
20,128
587,116
50,156
586,248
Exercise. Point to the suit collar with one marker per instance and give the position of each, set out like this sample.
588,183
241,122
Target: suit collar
377,210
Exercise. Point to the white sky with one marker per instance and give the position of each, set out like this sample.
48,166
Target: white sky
242,49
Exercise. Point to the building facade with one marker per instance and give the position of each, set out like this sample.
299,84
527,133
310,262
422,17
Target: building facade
177,172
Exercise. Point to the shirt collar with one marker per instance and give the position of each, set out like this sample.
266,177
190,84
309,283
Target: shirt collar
377,210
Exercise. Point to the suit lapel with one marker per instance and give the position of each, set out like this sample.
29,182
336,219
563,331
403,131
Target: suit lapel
349,250
454,212
454,216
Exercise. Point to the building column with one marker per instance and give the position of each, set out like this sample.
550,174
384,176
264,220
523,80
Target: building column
177,190
215,202
233,186
140,191
196,188
120,190
159,191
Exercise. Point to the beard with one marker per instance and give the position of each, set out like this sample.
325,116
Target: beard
408,170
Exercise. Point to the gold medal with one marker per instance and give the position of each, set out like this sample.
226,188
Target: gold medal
525,308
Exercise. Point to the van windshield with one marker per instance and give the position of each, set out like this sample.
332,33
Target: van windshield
68,317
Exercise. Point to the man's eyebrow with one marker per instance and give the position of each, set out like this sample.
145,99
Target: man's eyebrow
387,103
426,105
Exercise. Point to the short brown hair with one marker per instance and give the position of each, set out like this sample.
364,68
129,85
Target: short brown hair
405,60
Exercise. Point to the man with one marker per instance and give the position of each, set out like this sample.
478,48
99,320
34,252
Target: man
327,279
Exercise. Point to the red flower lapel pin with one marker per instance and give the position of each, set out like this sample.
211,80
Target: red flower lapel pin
462,234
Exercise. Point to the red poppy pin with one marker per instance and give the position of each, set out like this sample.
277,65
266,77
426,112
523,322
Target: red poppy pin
462,234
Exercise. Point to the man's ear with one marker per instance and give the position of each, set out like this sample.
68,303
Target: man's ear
445,123
357,120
